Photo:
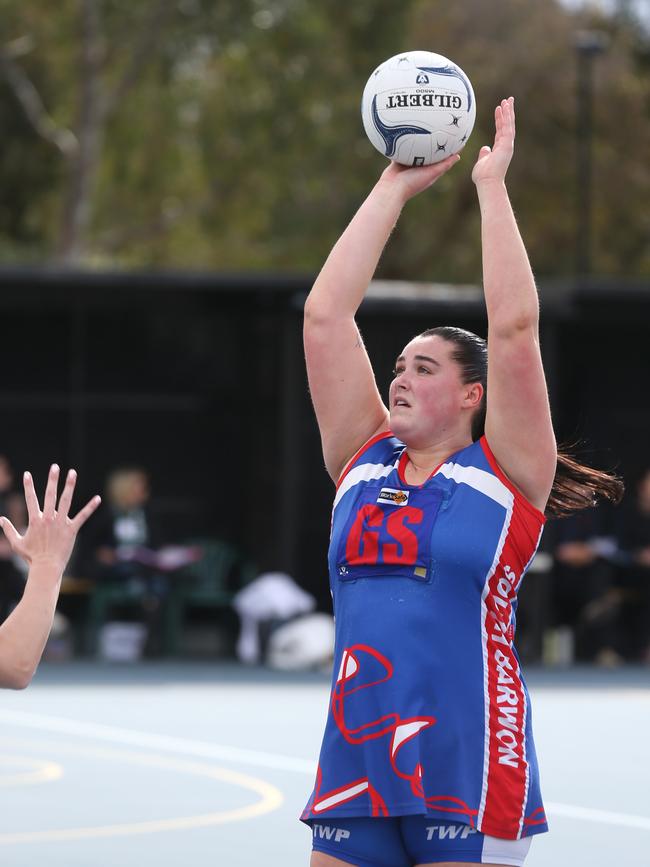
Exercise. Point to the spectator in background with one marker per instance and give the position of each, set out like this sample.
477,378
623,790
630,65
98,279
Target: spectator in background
12,576
634,543
121,546
125,522
584,599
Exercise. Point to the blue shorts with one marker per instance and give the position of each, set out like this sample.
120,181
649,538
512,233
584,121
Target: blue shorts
407,840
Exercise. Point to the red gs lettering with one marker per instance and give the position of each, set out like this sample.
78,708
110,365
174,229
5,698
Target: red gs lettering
363,547
364,539
407,539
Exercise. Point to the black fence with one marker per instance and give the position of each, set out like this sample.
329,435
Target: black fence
200,379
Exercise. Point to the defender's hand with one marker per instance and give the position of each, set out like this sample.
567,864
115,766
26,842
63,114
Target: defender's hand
51,533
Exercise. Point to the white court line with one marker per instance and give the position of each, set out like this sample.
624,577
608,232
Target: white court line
166,743
276,761
601,817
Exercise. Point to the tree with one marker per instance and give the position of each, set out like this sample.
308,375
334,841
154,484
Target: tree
99,87
226,134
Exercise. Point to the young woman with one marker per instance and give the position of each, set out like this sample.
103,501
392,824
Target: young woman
46,546
428,756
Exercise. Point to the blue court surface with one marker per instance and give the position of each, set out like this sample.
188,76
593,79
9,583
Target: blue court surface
206,764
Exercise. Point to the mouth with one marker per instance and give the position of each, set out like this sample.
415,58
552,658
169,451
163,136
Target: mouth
400,402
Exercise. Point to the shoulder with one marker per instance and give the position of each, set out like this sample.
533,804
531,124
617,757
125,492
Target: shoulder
379,449
477,467
518,497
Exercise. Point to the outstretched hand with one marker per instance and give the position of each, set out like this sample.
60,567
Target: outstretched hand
411,180
492,163
51,533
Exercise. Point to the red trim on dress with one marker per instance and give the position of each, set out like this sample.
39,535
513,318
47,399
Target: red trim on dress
401,466
401,469
521,499
537,817
508,767
364,448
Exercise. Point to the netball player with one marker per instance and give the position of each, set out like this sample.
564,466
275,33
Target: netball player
46,546
428,756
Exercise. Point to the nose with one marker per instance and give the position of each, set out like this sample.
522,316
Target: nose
399,386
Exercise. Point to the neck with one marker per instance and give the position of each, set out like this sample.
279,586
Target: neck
423,461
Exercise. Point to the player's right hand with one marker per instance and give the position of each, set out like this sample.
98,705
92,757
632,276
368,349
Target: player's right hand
51,533
411,180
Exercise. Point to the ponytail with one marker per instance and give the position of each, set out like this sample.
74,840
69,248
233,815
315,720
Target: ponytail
577,486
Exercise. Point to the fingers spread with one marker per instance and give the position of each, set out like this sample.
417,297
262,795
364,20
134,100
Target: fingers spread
49,506
81,517
10,531
66,497
33,507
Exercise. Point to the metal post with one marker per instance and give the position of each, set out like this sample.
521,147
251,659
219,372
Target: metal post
589,44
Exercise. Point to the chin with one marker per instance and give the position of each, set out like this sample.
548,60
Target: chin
400,428
408,434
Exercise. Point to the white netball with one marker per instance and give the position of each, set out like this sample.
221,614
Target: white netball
418,108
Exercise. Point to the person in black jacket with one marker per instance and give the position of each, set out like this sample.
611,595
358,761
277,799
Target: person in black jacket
121,545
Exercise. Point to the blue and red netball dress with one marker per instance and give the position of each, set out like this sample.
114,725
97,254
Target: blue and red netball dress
429,713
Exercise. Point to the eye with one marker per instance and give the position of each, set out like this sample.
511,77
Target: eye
422,368
397,371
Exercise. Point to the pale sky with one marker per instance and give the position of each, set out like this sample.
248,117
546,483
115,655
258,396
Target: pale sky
639,7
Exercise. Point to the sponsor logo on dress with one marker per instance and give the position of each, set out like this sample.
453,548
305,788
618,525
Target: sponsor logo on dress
451,832
393,497
327,832
509,711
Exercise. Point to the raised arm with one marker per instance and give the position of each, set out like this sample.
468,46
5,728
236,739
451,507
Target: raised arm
46,546
518,422
348,406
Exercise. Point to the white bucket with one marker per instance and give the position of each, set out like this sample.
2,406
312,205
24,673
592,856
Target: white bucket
122,642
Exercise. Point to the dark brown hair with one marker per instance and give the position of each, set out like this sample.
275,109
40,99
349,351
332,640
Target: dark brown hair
576,486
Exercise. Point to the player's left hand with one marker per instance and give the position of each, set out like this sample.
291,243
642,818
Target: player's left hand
492,163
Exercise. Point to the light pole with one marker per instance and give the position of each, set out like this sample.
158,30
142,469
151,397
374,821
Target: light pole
588,44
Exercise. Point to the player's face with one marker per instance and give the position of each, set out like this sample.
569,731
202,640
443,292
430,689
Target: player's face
426,395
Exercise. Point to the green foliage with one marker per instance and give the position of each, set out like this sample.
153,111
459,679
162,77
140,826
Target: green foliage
236,142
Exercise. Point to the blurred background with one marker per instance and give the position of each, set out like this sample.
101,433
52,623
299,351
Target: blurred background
173,174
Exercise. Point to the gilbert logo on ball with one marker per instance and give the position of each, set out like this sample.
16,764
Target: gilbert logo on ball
418,108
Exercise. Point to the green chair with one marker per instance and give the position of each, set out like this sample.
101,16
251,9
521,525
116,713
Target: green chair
105,596
211,583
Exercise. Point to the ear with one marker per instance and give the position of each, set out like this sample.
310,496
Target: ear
473,395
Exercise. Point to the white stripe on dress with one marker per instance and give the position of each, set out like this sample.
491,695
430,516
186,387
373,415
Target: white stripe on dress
480,480
510,852
362,473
